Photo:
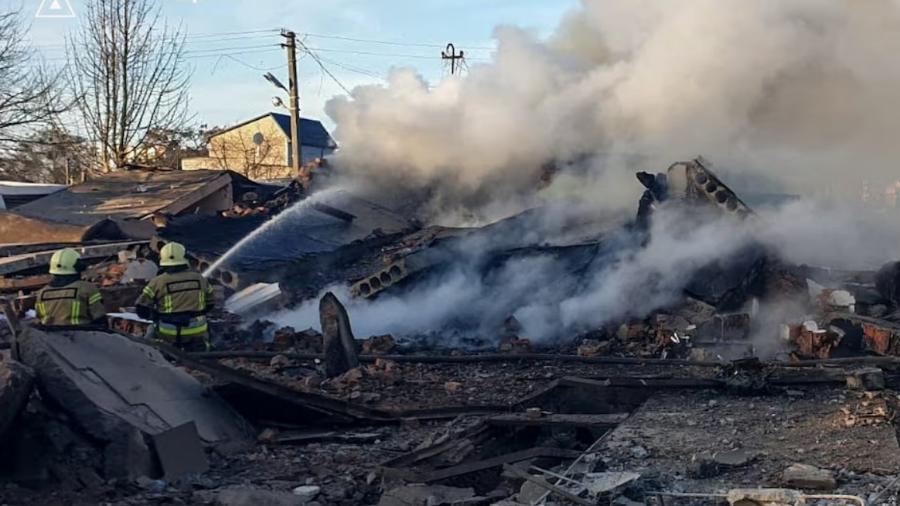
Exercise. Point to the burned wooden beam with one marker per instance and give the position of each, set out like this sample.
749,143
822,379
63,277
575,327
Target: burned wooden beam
820,378
334,212
299,438
13,285
607,421
467,359
676,383
509,458
474,435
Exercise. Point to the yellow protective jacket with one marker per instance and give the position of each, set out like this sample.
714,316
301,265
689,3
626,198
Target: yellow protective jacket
76,304
179,301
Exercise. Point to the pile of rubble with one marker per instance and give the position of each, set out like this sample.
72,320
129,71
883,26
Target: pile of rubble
668,407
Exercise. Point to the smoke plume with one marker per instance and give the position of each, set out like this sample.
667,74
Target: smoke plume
799,91
789,95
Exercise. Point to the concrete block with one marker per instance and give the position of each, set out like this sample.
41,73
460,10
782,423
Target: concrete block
868,378
804,476
257,497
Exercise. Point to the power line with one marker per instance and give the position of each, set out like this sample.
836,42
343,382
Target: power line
187,42
372,53
322,66
351,68
217,34
241,48
213,37
240,62
188,57
392,43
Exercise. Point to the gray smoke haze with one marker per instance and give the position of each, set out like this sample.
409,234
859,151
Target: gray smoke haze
551,301
798,93
801,91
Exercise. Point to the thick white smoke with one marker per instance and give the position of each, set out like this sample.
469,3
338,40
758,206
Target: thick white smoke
551,300
799,90
796,93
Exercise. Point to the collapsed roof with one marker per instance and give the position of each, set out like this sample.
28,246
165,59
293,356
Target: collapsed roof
128,198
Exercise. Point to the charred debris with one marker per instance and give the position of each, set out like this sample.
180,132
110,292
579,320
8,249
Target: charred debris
703,399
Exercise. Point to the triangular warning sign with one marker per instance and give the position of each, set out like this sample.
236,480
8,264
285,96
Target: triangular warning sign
55,9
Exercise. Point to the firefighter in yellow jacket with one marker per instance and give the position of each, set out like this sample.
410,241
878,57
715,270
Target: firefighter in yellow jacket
68,302
177,301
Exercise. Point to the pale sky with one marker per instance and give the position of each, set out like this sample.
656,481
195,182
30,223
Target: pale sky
231,43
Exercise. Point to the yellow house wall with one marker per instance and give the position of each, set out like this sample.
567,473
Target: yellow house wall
236,151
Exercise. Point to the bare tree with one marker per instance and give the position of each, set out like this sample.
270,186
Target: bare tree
48,155
128,74
29,95
166,148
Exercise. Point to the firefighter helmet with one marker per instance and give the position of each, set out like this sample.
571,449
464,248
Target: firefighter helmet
64,262
172,255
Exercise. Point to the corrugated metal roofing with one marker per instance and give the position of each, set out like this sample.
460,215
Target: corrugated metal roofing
309,232
119,195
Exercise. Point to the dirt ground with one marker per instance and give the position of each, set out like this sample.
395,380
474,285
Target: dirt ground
668,437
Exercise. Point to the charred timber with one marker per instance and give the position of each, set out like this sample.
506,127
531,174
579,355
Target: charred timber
465,359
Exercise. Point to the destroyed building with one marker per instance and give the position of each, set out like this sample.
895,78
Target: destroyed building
699,399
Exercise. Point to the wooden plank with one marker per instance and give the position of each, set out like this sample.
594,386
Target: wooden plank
12,285
471,359
31,260
474,435
299,438
626,382
509,458
607,421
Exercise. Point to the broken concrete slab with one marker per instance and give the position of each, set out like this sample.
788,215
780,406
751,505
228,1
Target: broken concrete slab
425,495
768,496
805,476
307,493
121,393
338,342
257,496
16,381
606,482
254,299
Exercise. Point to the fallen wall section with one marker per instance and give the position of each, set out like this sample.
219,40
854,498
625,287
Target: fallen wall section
123,393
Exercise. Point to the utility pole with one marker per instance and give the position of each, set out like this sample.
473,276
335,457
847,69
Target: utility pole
450,54
294,91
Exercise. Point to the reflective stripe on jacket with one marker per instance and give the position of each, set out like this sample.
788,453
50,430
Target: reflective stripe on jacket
180,300
195,327
77,304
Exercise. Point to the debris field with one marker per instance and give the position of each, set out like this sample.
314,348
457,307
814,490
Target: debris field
702,399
